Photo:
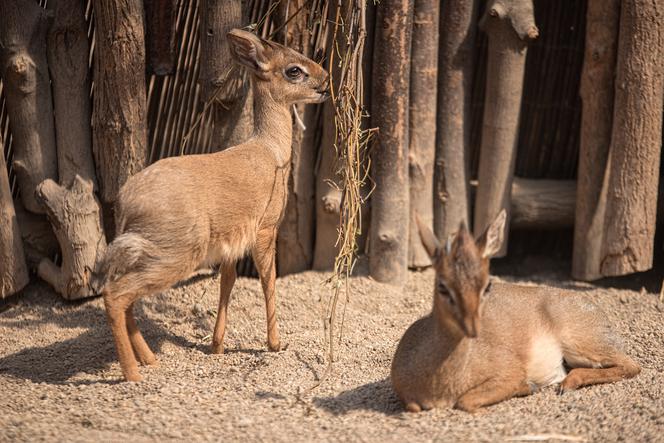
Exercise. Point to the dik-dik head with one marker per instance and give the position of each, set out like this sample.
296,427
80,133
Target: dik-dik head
289,76
462,273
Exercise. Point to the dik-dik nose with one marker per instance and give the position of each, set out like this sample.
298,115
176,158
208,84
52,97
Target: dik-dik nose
471,326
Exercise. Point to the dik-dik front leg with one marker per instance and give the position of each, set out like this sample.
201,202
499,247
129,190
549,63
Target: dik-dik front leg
492,391
264,259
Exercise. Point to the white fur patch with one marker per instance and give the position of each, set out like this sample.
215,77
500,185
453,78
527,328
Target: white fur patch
545,364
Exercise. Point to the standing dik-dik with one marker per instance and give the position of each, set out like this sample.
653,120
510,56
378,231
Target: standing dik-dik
481,345
186,212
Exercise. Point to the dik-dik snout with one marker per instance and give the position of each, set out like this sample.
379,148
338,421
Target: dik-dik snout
462,273
290,77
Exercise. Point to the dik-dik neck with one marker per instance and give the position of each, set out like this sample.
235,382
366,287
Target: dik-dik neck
272,123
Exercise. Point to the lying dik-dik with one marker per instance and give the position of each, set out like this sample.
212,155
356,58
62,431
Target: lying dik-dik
186,212
481,345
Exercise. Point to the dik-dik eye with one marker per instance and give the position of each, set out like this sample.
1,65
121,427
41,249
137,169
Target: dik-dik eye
295,73
442,290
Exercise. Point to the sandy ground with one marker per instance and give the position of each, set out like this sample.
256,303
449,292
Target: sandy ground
59,379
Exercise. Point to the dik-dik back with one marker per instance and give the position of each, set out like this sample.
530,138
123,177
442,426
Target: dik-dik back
484,343
185,212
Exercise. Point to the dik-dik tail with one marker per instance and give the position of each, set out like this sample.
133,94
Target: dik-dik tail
122,255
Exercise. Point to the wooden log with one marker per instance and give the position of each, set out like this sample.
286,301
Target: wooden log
455,74
119,110
388,239
76,220
328,194
596,90
160,22
13,269
24,71
510,25
68,55
422,131
542,204
296,233
636,140
232,106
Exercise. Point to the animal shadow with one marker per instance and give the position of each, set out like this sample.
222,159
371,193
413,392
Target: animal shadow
89,352
376,396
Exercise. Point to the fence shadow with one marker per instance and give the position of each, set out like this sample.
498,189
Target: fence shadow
376,396
89,352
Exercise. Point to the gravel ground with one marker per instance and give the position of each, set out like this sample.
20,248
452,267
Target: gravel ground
60,381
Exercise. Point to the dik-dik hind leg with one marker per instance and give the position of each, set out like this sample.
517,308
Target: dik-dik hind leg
264,258
228,276
116,311
491,392
594,359
615,370
141,348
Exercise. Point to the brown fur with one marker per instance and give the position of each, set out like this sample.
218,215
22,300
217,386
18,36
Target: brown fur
185,212
488,346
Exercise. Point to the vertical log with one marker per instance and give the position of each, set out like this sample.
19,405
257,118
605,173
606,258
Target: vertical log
296,232
636,140
119,109
328,192
422,131
232,107
510,24
68,54
455,74
24,70
160,21
388,255
13,270
602,19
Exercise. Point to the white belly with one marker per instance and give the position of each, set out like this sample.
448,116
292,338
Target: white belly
545,364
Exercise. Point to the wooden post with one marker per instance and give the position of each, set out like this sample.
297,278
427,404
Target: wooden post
232,107
296,232
455,75
68,54
636,140
422,131
76,220
596,91
120,110
24,71
388,241
160,21
542,204
13,270
510,24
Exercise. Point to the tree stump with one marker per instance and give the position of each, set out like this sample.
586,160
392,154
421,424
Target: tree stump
232,106
76,220
13,270
455,77
602,21
636,140
68,54
422,131
119,116
388,238
24,71
160,22
510,25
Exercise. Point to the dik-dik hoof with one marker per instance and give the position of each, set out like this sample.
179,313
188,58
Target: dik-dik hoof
217,348
413,407
133,377
274,347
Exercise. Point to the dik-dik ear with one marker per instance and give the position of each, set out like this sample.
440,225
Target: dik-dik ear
490,242
429,240
249,50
